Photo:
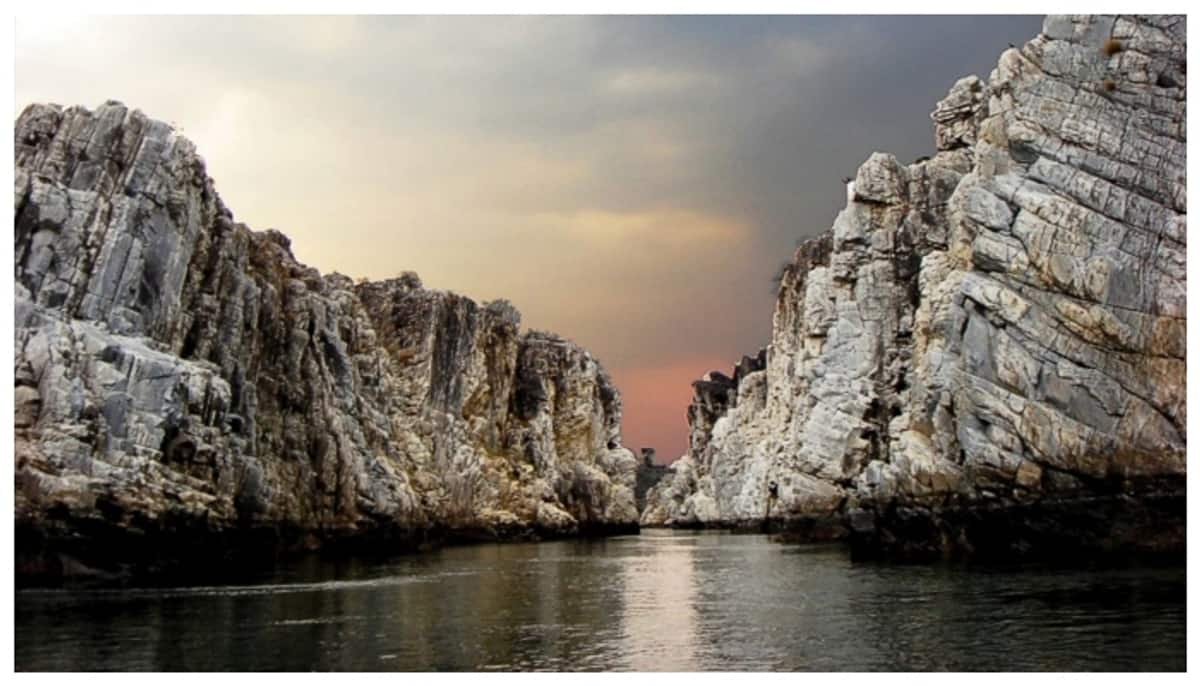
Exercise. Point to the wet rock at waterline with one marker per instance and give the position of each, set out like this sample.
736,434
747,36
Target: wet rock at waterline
186,388
987,351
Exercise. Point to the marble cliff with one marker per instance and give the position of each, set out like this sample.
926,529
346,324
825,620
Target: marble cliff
987,351
186,389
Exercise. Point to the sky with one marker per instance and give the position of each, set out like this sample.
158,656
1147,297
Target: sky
631,183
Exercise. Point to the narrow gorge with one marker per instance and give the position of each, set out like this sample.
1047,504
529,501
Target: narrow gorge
986,354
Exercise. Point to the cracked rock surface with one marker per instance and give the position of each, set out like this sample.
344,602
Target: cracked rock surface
986,336
182,380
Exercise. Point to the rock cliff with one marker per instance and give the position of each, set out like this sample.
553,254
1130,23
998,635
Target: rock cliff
649,473
185,387
987,351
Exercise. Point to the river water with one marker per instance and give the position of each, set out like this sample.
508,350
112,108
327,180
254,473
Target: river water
677,601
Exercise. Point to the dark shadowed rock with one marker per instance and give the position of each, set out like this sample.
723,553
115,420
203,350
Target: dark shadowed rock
649,473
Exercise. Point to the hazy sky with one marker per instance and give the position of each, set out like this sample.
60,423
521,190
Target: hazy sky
631,183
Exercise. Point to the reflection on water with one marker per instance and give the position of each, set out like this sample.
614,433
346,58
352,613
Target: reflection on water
658,610
672,601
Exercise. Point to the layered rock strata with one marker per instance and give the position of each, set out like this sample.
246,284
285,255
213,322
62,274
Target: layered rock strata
182,380
987,352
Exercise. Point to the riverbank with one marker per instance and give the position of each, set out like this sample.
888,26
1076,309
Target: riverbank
116,556
1152,523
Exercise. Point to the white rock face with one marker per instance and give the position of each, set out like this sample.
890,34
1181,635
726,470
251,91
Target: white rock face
181,378
1002,322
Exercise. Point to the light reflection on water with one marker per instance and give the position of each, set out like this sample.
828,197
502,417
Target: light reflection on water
658,611
674,601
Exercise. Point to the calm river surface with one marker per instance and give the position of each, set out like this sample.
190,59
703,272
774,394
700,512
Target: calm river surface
660,601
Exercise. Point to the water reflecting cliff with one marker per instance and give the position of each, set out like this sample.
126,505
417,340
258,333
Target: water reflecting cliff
672,601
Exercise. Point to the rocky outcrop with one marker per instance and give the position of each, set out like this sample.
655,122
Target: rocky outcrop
182,380
987,352
649,473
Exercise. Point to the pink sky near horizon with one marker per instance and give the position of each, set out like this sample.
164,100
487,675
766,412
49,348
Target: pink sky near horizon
655,403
